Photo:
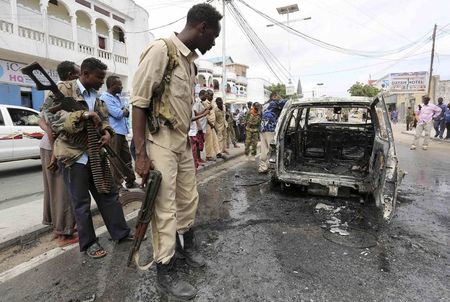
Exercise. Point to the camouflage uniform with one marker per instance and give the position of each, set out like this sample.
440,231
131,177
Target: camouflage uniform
69,125
253,121
231,135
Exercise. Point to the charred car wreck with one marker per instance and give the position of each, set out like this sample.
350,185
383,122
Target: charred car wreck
338,147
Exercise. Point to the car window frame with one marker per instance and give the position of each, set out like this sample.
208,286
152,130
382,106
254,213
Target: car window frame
12,116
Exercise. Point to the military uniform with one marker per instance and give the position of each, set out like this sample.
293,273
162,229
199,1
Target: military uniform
211,140
231,134
220,128
169,148
78,177
253,121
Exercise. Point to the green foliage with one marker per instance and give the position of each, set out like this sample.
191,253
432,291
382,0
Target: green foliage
360,89
278,88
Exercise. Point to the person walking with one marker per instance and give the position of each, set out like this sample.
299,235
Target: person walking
269,120
118,114
73,157
409,118
447,121
252,122
168,150
424,122
58,211
439,121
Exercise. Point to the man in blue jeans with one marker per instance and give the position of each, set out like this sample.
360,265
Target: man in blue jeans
439,121
72,156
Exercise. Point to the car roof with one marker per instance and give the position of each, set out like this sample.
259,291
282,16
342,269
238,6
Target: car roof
17,107
331,100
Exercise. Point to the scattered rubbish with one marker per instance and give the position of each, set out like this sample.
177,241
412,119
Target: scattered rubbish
295,272
90,299
284,233
339,231
365,253
322,206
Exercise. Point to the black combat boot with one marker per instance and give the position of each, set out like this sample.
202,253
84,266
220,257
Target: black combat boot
170,284
189,252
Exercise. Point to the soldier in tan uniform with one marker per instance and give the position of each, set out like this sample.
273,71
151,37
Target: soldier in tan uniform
221,128
168,150
211,141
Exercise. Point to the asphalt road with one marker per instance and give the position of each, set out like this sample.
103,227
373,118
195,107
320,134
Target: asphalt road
267,245
20,182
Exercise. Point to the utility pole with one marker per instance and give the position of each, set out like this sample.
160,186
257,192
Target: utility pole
432,59
224,65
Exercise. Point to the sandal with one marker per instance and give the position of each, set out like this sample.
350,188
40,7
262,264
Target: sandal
95,251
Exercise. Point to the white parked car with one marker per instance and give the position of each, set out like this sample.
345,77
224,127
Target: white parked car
20,133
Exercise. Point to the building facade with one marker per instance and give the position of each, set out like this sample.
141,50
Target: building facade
51,31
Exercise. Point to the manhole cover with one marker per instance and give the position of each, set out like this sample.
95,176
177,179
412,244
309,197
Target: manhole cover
359,239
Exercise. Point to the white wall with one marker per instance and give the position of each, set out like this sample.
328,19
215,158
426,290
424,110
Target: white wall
59,28
84,36
29,18
255,90
5,9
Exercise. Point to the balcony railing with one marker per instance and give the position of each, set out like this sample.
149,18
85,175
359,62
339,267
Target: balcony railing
104,54
31,34
6,27
89,50
121,59
61,42
39,36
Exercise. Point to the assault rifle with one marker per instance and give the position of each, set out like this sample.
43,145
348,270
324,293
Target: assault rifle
44,82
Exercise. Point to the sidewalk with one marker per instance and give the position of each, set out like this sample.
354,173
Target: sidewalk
22,224
401,128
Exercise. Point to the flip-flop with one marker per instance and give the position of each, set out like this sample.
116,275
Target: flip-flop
95,251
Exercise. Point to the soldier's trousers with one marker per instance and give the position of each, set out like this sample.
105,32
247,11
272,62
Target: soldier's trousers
211,142
266,138
251,141
231,135
177,199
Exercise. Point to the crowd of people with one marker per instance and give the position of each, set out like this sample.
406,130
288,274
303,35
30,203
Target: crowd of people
426,117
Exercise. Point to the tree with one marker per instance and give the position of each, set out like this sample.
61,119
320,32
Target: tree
360,89
278,88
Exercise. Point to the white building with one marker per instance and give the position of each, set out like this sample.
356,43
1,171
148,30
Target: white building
51,31
258,90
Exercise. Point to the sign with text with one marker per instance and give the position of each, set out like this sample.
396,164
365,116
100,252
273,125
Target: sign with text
10,73
408,82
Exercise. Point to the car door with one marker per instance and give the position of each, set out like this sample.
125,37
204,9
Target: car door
6,136
27,132
384,164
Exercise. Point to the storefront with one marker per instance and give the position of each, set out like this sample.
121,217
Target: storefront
18,89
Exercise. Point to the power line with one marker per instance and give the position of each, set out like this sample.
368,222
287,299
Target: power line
336,48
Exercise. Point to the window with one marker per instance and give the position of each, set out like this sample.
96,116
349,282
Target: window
23,117
293,120
2,121
101,42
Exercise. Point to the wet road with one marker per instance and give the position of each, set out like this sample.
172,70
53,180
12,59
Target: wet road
267,245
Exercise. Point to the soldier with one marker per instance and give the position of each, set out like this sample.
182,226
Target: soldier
168,149
74,158
231,125
211,141
220,125
252,122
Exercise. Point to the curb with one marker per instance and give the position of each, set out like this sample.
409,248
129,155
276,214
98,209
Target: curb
432,138
32,234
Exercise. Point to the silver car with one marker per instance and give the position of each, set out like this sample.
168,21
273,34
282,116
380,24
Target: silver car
338,147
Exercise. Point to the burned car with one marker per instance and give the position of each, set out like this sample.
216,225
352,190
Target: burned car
338,147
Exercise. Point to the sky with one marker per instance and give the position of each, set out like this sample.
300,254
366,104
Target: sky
361,25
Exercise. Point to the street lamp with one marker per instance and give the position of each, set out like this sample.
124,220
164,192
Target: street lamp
286,10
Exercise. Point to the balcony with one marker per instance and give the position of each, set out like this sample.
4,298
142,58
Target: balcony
6,27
